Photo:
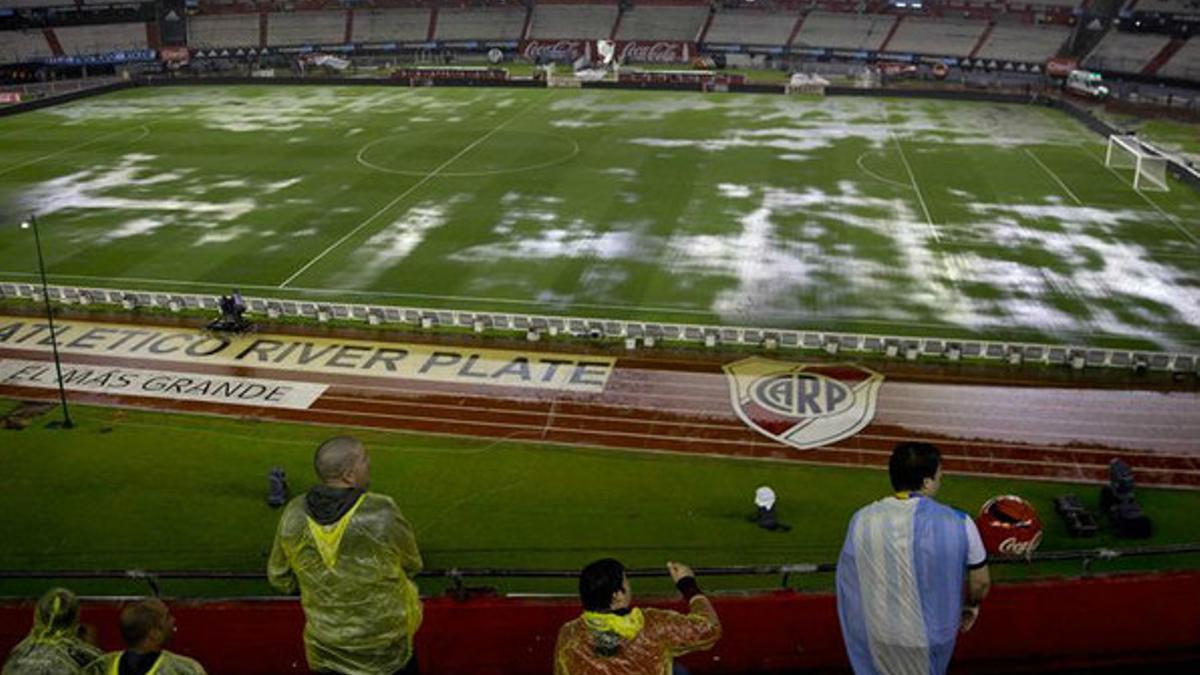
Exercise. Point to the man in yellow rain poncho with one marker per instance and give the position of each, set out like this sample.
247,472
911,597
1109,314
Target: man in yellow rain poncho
54,646
351,554
146,627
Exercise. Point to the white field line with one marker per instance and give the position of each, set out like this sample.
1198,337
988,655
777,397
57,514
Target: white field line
1168,217
386,207
915,186
872,174
1053,175
549,418
14,167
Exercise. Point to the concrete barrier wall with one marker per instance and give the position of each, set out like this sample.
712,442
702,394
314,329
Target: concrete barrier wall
1028,627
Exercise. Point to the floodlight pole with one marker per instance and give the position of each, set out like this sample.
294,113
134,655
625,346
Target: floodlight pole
62,392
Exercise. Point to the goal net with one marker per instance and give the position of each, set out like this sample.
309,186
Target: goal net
1149,169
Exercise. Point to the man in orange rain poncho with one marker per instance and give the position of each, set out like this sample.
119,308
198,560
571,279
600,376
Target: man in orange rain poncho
614,638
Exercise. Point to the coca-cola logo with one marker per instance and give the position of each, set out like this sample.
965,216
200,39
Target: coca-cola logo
653,52
1061,67
553,50
1015,547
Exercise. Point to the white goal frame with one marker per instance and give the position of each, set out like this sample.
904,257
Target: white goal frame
1149,169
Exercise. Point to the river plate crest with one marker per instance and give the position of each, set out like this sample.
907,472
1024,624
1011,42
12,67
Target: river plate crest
803,405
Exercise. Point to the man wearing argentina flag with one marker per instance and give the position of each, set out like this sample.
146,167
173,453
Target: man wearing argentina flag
902,570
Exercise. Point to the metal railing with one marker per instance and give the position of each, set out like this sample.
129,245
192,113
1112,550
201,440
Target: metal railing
458,576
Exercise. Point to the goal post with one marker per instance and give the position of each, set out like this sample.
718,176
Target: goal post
1149,168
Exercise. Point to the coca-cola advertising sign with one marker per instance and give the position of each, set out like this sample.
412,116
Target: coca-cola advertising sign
1061,66
1016,548
1009,527
640,51
553,50
628,51
175,54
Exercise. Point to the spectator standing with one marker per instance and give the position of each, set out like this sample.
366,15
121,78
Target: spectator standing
56,645
351,555
901,573
147,628
614,638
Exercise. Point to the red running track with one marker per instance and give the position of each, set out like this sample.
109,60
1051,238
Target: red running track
672,406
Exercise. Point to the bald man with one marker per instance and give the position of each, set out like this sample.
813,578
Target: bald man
351,555
147,627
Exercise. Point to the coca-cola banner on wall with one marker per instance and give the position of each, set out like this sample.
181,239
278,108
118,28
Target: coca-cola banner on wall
628,51
662,51
1061,66
554,50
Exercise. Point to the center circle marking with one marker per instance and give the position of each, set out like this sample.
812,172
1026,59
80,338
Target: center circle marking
565,157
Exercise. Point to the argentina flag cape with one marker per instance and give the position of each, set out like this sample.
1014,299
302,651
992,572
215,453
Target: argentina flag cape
900,586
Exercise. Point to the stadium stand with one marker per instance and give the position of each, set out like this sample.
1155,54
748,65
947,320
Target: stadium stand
751,27
577,22
946,37
391,25
223,30
662,23
101,39
480,24
1022,42
1185,64
306,28
844,31
1125,52
18,46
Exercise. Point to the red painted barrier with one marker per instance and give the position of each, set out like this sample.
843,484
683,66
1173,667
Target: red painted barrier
1031,627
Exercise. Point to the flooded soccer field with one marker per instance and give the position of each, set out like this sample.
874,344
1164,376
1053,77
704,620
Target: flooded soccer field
848,214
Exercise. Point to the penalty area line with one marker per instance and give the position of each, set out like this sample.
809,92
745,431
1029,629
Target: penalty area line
144,129
1053,175
386,207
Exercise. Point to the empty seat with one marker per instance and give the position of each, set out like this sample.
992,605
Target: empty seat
576,22
391,25
749,27
1125,52
19,46
223,30
944,37
681,24
480,24
844,31
102,39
